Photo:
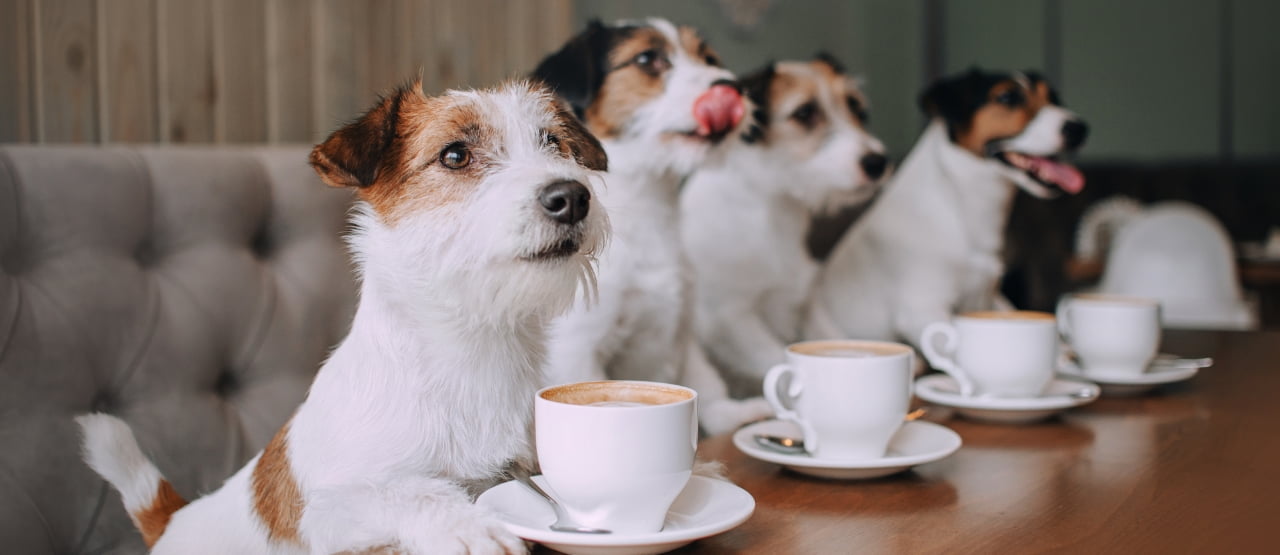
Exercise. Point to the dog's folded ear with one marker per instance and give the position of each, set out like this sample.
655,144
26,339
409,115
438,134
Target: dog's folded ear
577,70
353,155
831,61
586,149
955,99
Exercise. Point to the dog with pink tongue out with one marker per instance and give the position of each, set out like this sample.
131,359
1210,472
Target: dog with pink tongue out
930,247
655,95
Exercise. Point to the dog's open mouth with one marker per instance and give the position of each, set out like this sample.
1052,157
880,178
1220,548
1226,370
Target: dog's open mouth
1047,171
560,249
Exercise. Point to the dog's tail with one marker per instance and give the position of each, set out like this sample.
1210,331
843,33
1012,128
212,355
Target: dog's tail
111,450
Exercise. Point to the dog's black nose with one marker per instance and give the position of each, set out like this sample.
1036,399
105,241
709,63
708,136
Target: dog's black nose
566,202
1074,133
874,164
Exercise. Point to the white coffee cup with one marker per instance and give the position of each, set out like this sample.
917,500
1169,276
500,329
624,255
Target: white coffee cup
616,453
995,353
848,397
1111,334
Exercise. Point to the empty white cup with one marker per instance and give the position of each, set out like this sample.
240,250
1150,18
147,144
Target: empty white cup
848,397
995,353
616,453
1111,334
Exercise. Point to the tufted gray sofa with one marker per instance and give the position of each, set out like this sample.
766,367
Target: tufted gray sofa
191,291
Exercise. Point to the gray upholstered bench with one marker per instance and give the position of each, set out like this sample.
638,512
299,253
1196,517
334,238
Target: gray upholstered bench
191,291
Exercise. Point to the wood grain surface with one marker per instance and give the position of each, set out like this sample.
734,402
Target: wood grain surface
1187,468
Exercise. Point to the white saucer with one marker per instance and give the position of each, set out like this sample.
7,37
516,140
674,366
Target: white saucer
941,389
705,508
1122,385
915,443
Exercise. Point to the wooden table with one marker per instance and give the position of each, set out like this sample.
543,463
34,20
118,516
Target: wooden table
1189,468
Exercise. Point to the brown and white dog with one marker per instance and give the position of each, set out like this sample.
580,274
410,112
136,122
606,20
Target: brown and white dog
655,96
931,244
746,218
477,223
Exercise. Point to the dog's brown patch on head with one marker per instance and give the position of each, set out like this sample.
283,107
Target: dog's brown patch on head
391,155
697,48
630,83
996,120
804,99
277,499
153,520
576,141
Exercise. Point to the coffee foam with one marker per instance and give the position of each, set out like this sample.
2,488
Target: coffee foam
617,394
849,349
1114,299
1011,315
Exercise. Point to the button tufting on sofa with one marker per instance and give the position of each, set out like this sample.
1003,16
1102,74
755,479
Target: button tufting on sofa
192,291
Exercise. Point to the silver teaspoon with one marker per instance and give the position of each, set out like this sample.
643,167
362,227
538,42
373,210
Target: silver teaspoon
795,446
563,523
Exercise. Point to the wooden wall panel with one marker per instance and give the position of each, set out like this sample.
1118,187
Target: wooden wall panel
247,71
189,87
289,71
128,71
67,56
16,76
240,44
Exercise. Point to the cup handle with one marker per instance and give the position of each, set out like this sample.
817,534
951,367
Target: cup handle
941,361
1064,325
782,402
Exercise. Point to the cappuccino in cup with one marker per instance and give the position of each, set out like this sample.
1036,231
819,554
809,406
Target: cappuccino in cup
616,453
848,397
1111,334
995,353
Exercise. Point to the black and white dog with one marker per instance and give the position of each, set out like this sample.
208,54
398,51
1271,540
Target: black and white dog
930,247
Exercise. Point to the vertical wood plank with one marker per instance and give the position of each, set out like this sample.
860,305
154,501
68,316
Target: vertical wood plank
421,37
289,71
520,37
129,71
16,109
239,40
69,91
386,58
189,87
344,50
453,54
555,26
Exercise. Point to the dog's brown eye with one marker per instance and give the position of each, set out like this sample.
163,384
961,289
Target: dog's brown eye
551,139
806,114
455,156
1011,98
712,60
855,108
651,61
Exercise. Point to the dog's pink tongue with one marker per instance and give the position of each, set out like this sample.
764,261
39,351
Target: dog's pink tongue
718,110
1066,176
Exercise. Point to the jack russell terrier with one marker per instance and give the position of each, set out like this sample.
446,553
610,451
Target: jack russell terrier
930,246
655,96
477,223
746,218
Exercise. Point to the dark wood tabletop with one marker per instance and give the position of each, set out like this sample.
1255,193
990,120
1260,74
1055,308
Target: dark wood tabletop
1192,467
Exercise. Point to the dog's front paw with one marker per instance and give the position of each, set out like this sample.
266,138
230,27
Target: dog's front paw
484,535
727,415
470,532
